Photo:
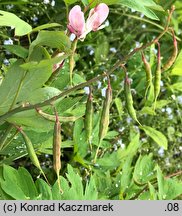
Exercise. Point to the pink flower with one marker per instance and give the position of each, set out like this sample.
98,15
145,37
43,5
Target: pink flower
76,21
96,17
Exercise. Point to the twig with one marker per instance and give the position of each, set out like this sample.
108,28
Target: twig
87,83
174,174
87,7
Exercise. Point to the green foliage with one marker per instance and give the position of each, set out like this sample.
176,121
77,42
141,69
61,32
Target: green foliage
177,66
148,8
134,162
9,19
17,50
25,188
61,41
168,189
143,171
157,136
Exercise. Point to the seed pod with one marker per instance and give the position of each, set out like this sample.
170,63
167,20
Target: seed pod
104,121
89,118
56,148
53,117
157,76
172,59
129,100
148,73
31,152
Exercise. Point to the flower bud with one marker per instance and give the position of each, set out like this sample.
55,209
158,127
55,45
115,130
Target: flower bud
97,16
76,21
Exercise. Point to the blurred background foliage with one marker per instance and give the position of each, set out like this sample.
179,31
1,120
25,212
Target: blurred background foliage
125,29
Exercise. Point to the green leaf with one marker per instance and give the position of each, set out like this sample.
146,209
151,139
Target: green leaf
132,147
3,195
70,1
177,86
67,103
38,54
156,135
146,7
143,171
102,49
46,26
63,78
177,66
12,156
78,138
85,2
76,183
46,146
30,120
161,103
168,189
21,83
153,193
160,182
77,79
103,183
66,195
10,86
11,20
43,189
151,4
119,107
17,50
147,110
51,39
172,188
42,94
91,190
110,160
111,135
27,183
150,96
126,175
43,63
78,111
12,184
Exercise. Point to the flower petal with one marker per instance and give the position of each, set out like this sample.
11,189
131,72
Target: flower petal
76,21
97,16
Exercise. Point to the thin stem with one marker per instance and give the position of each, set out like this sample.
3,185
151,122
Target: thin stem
5,137
29,39
67,11
72,61
147,21
174,174
26,107
17,92
97,151
10,140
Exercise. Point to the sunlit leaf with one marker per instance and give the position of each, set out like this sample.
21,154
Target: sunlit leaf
156,135
11,20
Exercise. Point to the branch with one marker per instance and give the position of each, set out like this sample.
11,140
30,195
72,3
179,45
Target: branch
27,106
